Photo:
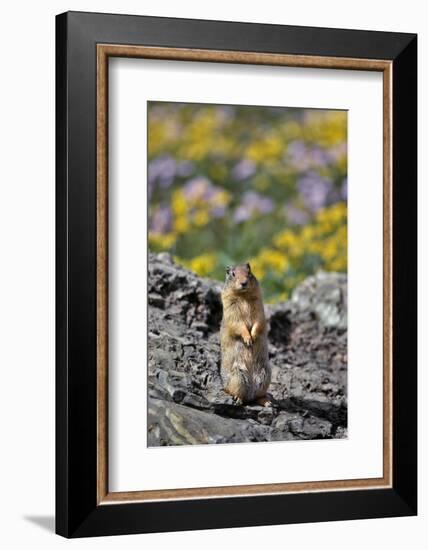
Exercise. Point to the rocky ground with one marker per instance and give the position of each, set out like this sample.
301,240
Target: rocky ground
307,350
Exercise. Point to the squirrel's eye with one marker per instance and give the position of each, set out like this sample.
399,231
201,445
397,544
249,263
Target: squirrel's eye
233,274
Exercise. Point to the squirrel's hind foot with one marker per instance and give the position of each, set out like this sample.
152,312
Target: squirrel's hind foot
265,401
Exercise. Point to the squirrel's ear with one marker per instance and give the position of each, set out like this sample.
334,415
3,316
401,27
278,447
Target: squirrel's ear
228,268
249,267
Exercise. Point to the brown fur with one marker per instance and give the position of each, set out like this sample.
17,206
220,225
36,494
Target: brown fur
245,367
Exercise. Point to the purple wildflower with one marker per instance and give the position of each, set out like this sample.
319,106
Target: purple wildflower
162,169
197,188
296,216
241,214
185,168
252,203
315,190
303,157
161,220
243,170
298,153
218,211
201,188
319,157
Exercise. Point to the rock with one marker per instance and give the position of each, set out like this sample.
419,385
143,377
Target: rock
325,295
172,424
307,351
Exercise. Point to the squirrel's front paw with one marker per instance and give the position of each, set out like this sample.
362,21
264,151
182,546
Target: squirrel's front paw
254,332
247,339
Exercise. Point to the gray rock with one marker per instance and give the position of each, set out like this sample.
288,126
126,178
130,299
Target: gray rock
173,424
326,296
307,351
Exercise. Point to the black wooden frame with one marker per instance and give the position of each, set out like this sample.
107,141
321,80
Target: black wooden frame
77,512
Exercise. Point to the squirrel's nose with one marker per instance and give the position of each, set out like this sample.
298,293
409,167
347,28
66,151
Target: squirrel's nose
244,284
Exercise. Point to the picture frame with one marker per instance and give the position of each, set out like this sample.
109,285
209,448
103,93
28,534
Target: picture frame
84,44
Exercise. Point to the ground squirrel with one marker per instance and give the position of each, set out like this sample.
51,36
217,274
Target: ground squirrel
245,369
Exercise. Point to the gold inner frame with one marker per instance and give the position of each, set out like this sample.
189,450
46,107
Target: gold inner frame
104,51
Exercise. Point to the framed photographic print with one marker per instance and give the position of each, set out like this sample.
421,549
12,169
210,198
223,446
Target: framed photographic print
219,184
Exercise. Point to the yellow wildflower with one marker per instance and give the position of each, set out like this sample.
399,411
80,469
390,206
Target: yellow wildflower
161,241
181,224
201,218
202,265
269,259
178,203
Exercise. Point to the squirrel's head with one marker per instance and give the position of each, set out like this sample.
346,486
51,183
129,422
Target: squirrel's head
239,278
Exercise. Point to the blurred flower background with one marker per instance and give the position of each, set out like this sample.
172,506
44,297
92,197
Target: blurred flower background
230,184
